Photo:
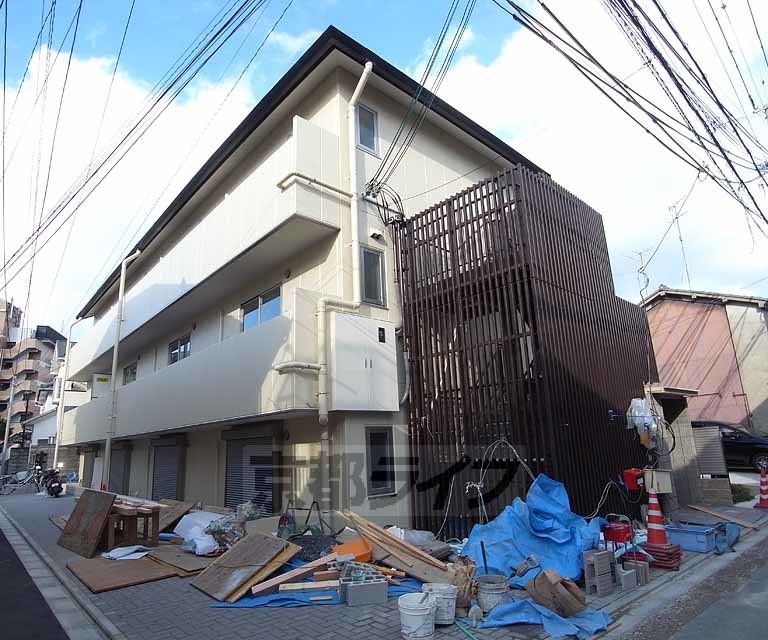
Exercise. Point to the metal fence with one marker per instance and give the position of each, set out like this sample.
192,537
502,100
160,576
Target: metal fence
513,331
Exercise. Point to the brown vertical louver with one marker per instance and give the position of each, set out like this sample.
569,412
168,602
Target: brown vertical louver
513,330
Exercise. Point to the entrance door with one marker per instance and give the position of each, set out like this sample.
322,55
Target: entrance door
250,473
119,467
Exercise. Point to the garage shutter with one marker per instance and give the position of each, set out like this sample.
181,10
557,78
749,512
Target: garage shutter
249,472
165,473
118,470
709,450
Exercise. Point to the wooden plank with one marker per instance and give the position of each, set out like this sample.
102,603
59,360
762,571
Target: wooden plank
123,510
59,521
321,576
100,574
174,556
278,561
225,511
308,586
86,522
723,516
318,598
174,512
238,565
270,586
392,541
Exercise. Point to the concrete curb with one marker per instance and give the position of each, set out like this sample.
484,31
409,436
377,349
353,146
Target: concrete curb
105,625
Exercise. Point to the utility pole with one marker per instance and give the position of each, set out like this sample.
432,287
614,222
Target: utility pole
6,441
115,350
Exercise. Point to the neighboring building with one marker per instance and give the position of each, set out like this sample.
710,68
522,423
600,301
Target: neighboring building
10,323
27,358
241,325
718,344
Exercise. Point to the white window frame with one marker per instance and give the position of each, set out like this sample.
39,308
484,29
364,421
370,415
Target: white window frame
258,298
187,337
360,145
134,364
382,275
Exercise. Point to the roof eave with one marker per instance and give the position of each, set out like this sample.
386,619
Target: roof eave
331,39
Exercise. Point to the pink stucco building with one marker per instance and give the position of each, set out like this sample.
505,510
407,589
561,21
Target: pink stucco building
718,344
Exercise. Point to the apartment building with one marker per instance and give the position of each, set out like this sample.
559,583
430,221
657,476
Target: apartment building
260,356
25,369
716,343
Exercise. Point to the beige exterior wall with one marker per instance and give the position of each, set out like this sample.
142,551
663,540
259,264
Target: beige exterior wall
749,330
312,140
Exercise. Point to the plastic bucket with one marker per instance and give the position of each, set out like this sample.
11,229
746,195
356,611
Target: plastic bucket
417,618
445,599
491,590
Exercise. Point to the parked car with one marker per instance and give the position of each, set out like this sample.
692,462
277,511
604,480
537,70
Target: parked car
741,448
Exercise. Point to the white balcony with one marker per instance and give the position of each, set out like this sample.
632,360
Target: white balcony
250,224
230,381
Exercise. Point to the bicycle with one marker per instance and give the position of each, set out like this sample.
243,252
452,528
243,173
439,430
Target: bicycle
9,484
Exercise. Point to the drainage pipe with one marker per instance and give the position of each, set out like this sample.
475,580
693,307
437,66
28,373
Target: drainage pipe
353,187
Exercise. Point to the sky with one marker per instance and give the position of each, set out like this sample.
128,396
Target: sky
502,77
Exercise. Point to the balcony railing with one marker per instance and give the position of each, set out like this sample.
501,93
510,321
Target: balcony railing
230,380
30,344
20,387
285,205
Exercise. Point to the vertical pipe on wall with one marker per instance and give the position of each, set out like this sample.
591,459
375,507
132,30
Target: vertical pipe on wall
115,355
353,187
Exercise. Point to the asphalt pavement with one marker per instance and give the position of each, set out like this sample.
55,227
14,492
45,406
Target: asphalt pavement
23,610
736,615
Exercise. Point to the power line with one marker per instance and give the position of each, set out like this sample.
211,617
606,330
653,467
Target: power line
193,63
757,32
93,150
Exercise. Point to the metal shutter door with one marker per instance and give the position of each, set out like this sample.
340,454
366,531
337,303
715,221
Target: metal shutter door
249,473
117,468
165,473
709,451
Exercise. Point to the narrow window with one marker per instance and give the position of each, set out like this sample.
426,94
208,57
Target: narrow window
381,461
373,276
367,129
129,373
179,349
262,308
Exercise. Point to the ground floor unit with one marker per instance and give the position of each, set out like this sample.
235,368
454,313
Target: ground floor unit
357,461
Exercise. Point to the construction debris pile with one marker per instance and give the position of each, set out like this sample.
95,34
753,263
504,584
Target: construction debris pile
537,562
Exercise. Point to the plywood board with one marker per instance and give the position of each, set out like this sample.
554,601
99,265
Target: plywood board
174,511
100,574
238,565
273,565
86,522
721,513
175,556
309,586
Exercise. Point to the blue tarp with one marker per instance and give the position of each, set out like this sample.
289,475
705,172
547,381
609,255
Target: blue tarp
407,585
543,525
517,611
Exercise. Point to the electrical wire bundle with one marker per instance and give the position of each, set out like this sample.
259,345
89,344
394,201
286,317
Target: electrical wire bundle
421,102
696,126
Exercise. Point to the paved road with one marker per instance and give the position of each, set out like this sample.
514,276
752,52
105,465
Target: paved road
23,611
735,615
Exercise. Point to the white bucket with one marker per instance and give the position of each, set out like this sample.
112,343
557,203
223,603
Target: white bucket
417,618
445,597
491,590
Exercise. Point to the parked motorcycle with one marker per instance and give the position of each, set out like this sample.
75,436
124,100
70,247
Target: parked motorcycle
52,482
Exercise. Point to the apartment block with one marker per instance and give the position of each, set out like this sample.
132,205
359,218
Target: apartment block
25,369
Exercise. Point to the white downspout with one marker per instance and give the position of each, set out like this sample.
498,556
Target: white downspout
60,408
353,189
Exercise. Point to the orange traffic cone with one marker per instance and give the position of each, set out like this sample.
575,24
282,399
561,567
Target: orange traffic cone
657,535
763,503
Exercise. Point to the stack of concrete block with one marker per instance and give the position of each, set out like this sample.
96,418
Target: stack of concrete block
361,584
642,570
599,569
